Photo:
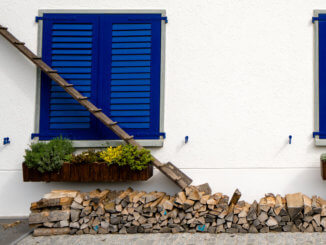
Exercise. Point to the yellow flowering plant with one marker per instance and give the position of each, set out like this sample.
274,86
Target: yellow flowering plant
111,154
127,155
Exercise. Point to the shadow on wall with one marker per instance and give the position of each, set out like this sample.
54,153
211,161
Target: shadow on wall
16,69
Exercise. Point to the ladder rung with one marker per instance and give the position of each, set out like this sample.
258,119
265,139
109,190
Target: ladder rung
96,110
37,58
67,85
82,98
114,123
129,138
19,43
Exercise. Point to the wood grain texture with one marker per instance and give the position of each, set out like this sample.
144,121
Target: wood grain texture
323,169
95,172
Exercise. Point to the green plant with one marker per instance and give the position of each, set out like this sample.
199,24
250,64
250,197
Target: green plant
323,157
89,156
127,155
48,157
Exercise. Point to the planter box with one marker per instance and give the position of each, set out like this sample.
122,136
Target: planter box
323,169
95,172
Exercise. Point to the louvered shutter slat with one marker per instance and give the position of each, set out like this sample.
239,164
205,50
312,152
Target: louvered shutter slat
76,45
69,49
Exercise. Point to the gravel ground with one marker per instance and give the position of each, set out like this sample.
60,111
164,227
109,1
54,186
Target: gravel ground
181,238
10,234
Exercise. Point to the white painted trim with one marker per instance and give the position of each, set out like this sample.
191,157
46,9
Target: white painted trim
320,142
100,143
316,80
104,11
38,80
162,78
105,143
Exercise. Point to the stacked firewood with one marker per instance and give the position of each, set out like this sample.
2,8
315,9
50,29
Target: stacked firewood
193,210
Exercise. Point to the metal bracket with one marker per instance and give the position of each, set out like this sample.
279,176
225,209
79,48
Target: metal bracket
34,135
162,134
6,140
319,18
37,18
186,139
314,134
165,18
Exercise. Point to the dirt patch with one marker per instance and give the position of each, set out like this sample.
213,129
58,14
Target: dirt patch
11,225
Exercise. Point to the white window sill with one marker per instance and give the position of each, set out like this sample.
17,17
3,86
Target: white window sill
104,143
320,142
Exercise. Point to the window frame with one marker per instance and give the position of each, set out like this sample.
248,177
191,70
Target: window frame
318,141
101,143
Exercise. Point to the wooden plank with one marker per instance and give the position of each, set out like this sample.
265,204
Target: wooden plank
234,200
51,231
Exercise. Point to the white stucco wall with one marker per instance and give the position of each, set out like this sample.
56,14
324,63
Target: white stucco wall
239,81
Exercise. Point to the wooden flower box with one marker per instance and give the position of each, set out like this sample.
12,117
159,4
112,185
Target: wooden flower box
323,168
93,172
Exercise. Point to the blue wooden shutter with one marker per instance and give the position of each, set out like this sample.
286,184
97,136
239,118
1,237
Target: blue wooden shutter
114,59
131,89
70,44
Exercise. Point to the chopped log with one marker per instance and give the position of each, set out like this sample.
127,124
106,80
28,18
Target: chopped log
53,202
131,196
316,207
98,212
51,231
204,188
168,205
181,197
252,214
123,195
294,204
138,196
192,193
307,205
97,196
60,193
234,200
279,208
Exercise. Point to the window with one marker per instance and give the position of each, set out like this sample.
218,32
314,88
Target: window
116,60
319,21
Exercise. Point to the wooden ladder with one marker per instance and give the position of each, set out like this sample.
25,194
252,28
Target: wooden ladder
168,169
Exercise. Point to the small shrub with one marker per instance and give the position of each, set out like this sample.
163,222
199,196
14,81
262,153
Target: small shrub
112,154
127,155
85,157
323,157
48,157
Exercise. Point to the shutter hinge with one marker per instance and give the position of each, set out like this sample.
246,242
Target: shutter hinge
34,135
314,19
163,134
165,18
37,18
6,140
314,134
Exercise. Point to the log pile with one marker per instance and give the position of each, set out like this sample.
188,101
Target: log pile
193,210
